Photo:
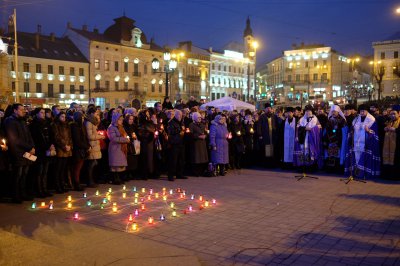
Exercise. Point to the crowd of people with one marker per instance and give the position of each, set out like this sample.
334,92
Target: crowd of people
45,150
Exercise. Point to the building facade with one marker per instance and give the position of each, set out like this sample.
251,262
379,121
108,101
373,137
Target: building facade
51,70
386,55
121,64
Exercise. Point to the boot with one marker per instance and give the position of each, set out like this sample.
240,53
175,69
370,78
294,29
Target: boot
222,170
116,180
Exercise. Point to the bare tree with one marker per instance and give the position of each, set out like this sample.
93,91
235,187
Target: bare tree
378,75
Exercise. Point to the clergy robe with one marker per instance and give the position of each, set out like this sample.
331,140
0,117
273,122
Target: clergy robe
391,149
288,140
309,153
363,156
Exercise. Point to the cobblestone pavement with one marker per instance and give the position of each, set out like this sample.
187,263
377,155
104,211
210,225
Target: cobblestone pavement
269,218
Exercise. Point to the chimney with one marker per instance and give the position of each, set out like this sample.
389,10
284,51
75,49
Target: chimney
37,37
84,27
69,25
95,30
52,37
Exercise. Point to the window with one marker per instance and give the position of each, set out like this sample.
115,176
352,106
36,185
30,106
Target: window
97,84
145,69
38,87
315,63
126,86
50,69
136,86
234,69
153,87
38,68
72,71
159,88
219,67
26,67
12,66
289,78
50,89
136,70
116,66
324,77
72,89
61,70
297,77
213,80
224,68
107,84
81,72
306,64
230,68
81,89
97,64
125,66
396,54
306,77
213,66
382,55
26,86
62,89
315,77
106,65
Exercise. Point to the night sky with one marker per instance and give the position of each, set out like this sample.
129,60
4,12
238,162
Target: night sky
349,26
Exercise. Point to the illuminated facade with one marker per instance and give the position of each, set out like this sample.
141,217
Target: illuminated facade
386,54
120,64
51,70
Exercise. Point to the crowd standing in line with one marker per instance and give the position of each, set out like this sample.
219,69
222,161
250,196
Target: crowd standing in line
52,150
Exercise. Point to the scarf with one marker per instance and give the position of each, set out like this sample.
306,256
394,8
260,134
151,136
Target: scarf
124,146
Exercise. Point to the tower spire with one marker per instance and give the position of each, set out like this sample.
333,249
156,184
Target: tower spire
248,31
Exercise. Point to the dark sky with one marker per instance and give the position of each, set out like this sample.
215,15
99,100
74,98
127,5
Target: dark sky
349,26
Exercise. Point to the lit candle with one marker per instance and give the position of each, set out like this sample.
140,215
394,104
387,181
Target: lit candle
141,199
97,193
201,198
69,198
108,197
51,205
104,200
89,203
171,191
187,130
190,208
143,190
208,131
156,133
164,189
115,208
134,227
206,204
4,141
33,205
251,130
201,207
142,207
192,197
130,219
162,127
238,133
214,201
174,213
136,201
182,196
148,197
124,195
136,195
164,197
172,205
151,191
69,205
109,190
43,204
151,220
84,195
136,212
162,217
76,216
156,195
229,135
124,187
134,189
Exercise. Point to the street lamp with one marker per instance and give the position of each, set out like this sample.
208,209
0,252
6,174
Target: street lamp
252,54
169,67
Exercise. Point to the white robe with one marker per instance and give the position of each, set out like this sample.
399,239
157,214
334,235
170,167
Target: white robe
302,123
288,143
359,134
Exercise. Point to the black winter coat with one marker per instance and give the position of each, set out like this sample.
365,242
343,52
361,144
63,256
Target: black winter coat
174,132
41,134
80,140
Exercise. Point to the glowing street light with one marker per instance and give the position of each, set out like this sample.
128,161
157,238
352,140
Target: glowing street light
170,66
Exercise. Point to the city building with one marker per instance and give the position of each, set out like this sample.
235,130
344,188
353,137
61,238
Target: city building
232,71
316,73
386,62
51,70
121,64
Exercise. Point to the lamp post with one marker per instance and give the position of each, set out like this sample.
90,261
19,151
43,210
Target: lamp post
169,67
252,54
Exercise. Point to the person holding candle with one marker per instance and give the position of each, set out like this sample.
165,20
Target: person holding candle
146,135
219,143
199,154
391,145
176,132
236,143
248,138
117,148
4,162
63,143
131,128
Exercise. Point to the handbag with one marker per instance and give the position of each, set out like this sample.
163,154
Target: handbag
136,146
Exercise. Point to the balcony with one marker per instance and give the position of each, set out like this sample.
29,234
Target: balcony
96,90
